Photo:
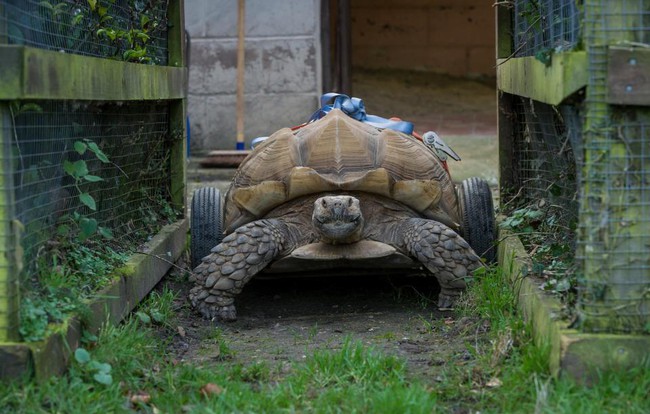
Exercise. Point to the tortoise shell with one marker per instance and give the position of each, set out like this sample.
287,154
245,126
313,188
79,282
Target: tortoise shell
340,154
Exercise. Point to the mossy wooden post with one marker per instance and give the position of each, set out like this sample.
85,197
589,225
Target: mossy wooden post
614,232
505,103
9,247
178,108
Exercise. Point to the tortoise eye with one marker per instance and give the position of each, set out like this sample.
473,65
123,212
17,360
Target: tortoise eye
350,202
323,202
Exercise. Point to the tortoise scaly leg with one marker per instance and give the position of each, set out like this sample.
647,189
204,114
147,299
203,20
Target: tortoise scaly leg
446,254
224,272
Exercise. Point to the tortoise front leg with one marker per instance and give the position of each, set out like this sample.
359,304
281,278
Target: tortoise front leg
224,272
441,250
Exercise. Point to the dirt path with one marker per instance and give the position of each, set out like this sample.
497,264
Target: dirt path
281,321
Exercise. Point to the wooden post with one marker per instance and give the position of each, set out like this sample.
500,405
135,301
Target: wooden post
3,24
613,212
506,116
345,47
10,248
241,10
326,45
178,107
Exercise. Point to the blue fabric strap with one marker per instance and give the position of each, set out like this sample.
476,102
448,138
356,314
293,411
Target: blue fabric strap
355,108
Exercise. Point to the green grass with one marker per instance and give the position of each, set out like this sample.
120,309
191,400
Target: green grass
507,375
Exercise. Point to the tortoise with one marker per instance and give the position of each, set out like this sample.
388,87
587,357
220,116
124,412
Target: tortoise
339,193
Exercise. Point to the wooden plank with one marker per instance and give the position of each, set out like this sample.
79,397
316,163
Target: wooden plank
628,76
581,356
224,159
30,73
550,84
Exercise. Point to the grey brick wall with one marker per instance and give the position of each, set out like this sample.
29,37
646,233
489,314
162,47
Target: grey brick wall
282,71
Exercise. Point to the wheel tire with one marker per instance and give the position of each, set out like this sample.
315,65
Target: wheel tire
477,215
206,223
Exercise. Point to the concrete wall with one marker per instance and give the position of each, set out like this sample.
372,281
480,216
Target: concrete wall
446,36
283,68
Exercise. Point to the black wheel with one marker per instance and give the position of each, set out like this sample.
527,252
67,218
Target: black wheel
477,215
205,223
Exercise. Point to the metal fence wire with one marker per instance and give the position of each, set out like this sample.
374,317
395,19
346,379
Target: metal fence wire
542,204
542,27
547,148
129,30
65,153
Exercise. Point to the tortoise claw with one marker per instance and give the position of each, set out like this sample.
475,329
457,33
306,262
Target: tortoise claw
224,313
446,302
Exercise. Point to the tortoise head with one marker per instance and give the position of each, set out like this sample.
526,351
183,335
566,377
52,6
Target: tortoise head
338,219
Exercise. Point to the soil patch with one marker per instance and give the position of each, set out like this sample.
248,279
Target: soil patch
281,321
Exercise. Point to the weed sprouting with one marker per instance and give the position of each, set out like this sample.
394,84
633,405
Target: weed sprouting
548,233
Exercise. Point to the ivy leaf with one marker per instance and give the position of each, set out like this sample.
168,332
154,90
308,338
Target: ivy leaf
144,19
92,178
80,147
144,318
157,316
98,152
103,378
92,4
46,5
76,169
88,201
63,230
81,355
88,227
106,233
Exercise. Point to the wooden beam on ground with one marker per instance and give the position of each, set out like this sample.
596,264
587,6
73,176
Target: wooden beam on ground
132,283
582,356
224,159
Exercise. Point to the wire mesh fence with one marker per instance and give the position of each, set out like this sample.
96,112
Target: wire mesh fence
542,205
542,27
88,186
129,30
615,219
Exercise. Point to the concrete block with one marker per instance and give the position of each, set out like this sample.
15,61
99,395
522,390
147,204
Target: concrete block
213,66
194,18
264,114
416,3
273,65
263,18
284,66
199,121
